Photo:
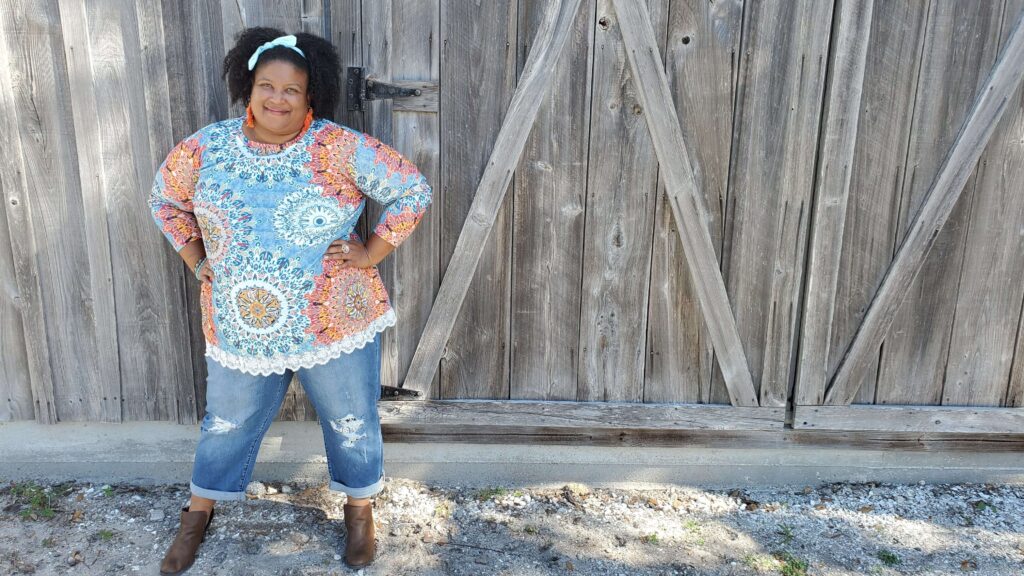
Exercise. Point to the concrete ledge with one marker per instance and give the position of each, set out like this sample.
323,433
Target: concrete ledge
161,452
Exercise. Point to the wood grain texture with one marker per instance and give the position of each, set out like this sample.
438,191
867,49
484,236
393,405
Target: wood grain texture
701,56
477,77
451,303
945,419
622,179
194,49
67,282
21,280
840,119
16,385
400,47
883,138
155,368
82,58
687,202
548,213
986,313
782,74
157,118
897,302
1008,445
449,416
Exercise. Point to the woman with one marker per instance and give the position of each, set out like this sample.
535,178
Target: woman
262,209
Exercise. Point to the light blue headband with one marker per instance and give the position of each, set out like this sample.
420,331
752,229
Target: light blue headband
286,41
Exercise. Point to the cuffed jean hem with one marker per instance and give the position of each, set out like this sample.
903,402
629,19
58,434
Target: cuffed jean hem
371,490
215,494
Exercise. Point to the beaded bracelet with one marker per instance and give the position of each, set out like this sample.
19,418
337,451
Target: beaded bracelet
199,266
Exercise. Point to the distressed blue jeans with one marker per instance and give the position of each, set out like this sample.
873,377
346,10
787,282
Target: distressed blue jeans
240,408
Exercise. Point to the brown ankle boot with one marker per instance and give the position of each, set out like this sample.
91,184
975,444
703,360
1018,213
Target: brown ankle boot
182,552
361,540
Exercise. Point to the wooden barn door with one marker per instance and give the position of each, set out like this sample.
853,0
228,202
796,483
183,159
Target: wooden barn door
912,318
449,404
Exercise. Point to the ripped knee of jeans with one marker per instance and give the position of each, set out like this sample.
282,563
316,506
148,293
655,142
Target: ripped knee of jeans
349,427
218,425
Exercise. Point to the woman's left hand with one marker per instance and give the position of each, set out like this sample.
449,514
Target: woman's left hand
352,254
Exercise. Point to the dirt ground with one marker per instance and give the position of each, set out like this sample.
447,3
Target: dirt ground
829,529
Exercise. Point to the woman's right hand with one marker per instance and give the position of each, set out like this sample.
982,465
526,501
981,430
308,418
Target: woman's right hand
206,272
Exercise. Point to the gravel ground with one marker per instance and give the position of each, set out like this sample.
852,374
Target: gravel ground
829,529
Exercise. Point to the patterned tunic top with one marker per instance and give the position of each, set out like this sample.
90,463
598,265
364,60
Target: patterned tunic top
266,214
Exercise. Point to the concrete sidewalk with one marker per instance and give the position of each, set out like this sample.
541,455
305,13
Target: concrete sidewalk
161,452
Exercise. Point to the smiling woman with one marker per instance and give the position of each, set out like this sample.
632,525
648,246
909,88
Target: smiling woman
263,209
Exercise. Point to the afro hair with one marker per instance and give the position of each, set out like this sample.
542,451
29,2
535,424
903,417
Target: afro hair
321,63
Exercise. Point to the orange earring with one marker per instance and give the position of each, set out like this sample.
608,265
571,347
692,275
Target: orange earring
309,119
250,120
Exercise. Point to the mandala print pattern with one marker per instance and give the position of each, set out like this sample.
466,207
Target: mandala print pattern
344,301
207,311
327,153
171,197
266,213
224,219
384,175
251,165
307,218
256,306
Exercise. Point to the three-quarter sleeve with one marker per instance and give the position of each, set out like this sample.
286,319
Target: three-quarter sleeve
388,178
170,199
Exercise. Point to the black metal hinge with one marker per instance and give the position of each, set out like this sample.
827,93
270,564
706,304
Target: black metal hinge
397,393
359,89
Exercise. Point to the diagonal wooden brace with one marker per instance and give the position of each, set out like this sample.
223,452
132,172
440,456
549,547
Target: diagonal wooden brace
684,197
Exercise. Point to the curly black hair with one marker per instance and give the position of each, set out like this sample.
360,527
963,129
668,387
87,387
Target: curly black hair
321,63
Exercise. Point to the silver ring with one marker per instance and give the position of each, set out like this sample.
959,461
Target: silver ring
344,248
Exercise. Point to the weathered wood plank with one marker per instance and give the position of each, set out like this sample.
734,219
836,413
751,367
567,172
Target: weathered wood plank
912,365
415,267
1008,445
483,339
883,139
412,274
195,52
841,117
947,419
342,20
782,71
162,263
547,225
686,201
85,115
478,77
69,301
621,192
155,367
23,324
441,416
703,42
942,195
16,385
987,306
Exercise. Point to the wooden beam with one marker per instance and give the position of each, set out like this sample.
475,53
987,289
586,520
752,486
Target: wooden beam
686,201
452,415
875,418
17,200
942,196
508,147
839,140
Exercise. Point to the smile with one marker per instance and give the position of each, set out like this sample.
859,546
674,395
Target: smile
279,113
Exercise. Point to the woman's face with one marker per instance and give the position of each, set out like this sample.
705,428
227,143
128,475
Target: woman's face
279,100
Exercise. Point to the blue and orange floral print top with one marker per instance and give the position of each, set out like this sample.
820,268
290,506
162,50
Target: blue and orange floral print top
266,214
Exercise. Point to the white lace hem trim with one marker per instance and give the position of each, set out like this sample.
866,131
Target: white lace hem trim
280,363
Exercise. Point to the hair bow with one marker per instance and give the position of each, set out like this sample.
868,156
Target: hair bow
286,41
